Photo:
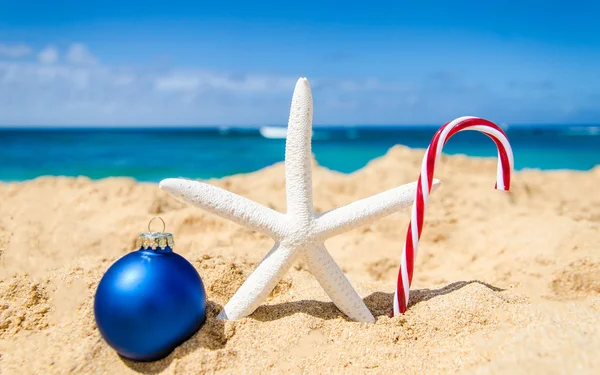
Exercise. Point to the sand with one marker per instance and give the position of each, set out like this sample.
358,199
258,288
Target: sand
504,282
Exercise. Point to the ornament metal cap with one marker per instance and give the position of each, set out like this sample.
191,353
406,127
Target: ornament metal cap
155,240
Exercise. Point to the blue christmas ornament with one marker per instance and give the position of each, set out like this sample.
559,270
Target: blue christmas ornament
150,301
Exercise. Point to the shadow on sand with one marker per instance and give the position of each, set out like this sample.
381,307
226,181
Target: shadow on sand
213,336
380,304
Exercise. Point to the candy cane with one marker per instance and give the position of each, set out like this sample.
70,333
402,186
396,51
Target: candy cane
432,155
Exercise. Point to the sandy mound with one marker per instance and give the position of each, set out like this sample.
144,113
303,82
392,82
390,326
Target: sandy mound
504,283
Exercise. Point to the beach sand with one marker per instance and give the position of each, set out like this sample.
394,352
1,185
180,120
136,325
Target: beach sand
504,282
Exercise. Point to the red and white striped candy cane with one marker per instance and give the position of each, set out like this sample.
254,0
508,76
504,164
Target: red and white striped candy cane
432,155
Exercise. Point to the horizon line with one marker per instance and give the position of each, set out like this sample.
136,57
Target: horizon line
255,126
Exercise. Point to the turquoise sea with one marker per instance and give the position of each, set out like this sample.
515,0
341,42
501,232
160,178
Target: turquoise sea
151,154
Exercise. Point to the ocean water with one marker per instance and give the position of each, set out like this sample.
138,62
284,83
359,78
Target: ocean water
154,154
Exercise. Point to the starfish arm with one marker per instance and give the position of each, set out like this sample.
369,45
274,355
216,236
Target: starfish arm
336,285
366,210
298,172
227,205
255,290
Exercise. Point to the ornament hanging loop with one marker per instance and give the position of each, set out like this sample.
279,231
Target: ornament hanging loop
156,240
163,223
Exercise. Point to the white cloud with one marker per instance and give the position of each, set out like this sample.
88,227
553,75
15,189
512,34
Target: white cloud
176,82
207,80
80,91
78,53
123,79
49,55
31,76
15,50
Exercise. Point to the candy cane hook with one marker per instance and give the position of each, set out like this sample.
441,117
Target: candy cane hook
432,156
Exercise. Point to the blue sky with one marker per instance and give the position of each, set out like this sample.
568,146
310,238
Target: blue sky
236,62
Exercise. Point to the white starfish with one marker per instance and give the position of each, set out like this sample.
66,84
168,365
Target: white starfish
299,232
